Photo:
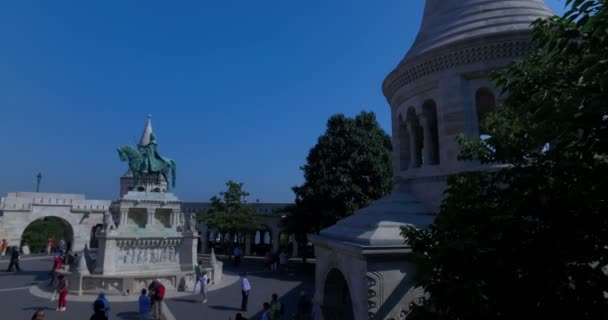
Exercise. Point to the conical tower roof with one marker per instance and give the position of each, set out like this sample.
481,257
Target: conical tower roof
145,136
455,32
450,21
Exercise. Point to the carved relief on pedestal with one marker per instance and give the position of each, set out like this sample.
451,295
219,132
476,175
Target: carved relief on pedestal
149,251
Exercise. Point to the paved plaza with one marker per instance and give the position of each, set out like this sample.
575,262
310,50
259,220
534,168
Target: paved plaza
20,296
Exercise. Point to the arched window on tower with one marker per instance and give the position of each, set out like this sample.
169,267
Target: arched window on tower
404,145
484,104
431,133
416,138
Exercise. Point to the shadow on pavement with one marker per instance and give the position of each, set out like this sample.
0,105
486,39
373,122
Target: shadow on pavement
37,308
128,315
225,308
191,300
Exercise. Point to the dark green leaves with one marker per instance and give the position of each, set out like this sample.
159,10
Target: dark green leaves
348,167
530,239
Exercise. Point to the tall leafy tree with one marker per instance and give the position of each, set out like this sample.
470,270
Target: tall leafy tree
348,167
531,239
230,213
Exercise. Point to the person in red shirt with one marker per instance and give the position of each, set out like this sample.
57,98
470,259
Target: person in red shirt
159,295
57,263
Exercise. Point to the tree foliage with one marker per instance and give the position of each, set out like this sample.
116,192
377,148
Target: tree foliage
230,213
530,239
348,167
38,233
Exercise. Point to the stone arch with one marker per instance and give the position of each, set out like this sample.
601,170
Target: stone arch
261,240
431,133
68,231
337,300
404,145
416,137
485,102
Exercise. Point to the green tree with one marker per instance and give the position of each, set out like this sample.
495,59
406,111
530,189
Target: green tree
37,233
530,239
230,213
348,167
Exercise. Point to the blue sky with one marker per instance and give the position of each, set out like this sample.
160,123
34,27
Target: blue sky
237,89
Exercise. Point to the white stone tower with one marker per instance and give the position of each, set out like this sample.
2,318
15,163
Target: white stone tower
440,89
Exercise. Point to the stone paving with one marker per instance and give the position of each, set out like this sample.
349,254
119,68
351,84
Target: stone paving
17,301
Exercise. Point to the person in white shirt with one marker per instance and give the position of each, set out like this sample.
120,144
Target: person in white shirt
245,288
204,285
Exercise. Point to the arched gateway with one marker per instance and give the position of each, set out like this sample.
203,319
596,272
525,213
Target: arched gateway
78,216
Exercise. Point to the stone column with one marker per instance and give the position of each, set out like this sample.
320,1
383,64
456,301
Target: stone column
427,147
414,163
124,217
187,253
203,236
275,239
247,245
150,220
294,252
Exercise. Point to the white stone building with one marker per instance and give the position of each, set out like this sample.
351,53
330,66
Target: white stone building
440,89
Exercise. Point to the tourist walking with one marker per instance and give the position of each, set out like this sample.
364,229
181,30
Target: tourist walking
266,313
106,304
61,247
198,275
4,247
276,307
159,295
283,261
98,311
15,256
245,288
50,246
204,286
38,315
144,305
62,290
57,263
237,256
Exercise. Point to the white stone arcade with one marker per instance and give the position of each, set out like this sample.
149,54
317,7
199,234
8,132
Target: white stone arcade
78,216
440,89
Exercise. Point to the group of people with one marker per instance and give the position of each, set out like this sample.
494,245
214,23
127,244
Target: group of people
275,261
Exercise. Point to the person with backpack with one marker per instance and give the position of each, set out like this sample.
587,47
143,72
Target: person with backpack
159,295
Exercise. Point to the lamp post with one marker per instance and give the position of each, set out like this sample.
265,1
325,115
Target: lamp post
38,178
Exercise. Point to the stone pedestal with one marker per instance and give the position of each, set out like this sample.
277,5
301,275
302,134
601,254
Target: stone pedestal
152,239
188,251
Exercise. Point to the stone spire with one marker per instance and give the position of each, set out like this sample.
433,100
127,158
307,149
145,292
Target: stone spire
145,137
448,21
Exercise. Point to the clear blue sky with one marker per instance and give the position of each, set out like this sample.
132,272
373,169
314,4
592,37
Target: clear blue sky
237,89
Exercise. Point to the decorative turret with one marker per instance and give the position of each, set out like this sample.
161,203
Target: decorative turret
448,22
442,88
